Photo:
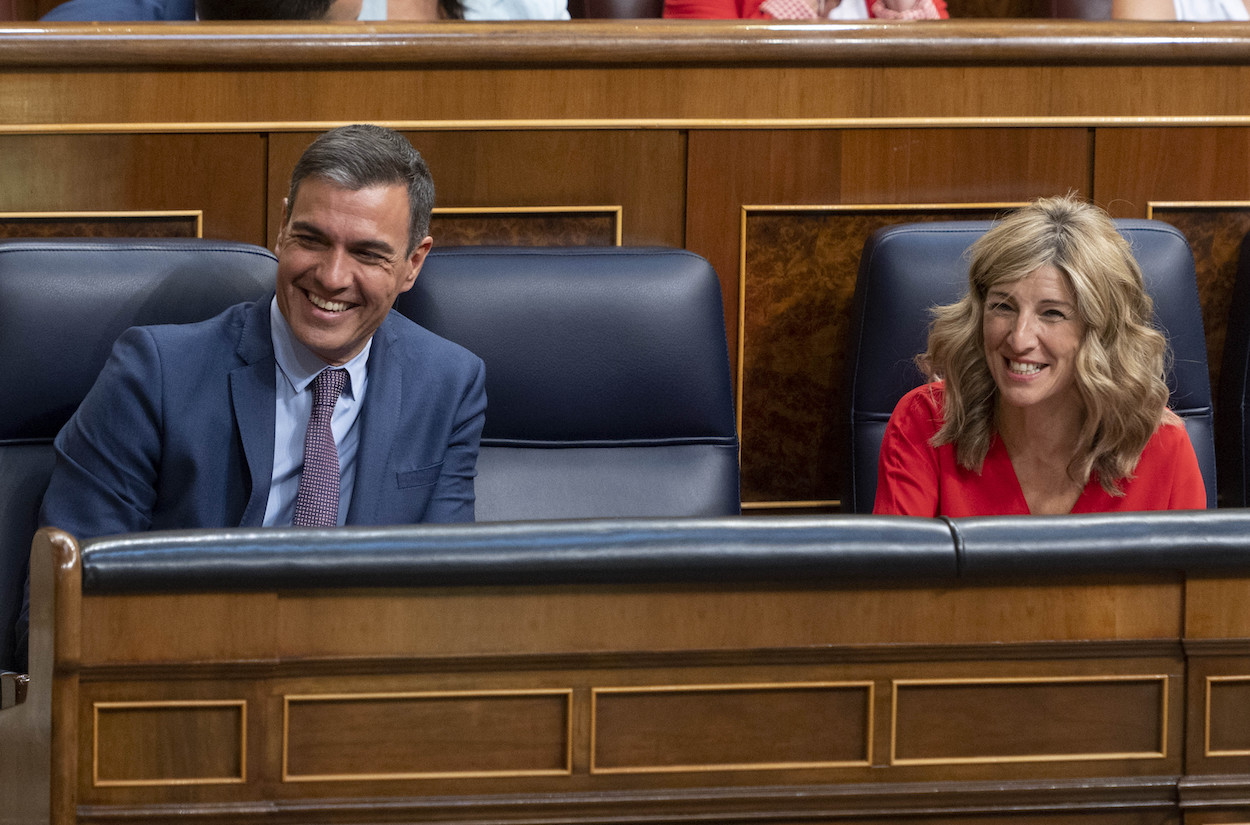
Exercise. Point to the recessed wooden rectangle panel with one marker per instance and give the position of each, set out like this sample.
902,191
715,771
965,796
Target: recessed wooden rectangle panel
170,743
535,226
731,727
427,735
1228,722
1021,720
100,224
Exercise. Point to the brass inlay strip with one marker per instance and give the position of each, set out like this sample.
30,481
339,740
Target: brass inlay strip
616,212
740,369
652,124
1151,206
1206,726
241,704
69,215
868,686
290,699
1058,757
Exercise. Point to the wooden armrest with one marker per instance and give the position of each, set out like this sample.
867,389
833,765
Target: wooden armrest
12,688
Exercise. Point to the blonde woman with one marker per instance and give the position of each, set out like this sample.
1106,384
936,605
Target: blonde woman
1047,393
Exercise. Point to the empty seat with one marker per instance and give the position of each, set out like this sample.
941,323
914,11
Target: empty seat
607,378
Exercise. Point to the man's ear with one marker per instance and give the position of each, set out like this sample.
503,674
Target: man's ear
286,216
416,260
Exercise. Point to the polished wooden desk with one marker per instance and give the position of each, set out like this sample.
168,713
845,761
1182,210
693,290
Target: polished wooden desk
773,150
911,697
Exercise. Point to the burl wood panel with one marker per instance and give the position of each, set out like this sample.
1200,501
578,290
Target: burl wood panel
779,726
220,175
524,229
70,225
1026,720
1214,233
426,735
642,172
169,743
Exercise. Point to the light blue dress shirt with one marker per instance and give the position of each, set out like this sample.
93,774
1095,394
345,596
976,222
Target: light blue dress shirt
297,367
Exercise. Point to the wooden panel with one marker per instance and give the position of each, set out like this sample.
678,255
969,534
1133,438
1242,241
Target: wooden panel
799,278
1213,608
1196,179
144,173
426,735
1016,720
639,730
169,743
639,172
100,225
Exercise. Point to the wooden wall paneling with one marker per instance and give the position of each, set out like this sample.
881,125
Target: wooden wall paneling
574,174
800,265
153,224
220,176
1197,179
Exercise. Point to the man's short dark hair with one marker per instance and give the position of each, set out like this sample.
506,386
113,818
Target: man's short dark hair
262,9
363,155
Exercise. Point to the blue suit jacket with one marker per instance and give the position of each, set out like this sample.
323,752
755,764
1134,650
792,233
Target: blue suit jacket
138,10
178,430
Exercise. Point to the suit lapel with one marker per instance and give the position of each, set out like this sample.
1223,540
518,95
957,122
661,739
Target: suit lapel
252,396
379,426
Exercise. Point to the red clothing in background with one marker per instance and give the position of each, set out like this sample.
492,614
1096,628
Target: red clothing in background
916,479
737,9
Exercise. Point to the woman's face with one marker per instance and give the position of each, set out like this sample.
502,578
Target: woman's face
1032,336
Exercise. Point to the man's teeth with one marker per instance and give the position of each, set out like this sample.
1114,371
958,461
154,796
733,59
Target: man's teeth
328,306
1023,369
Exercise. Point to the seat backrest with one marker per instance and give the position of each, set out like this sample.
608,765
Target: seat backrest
906,270
1233,424
1081,9
62,304
607,378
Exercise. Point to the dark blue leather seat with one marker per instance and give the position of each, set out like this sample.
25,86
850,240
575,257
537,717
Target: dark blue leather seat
1232,432
62,304
607,378
907,269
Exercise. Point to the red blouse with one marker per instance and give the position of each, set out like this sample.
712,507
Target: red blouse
917,479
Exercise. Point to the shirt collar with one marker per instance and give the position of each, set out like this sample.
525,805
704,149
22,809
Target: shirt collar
299,365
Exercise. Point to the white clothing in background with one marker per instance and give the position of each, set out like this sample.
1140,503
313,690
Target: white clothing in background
850,10
499,9
1211,10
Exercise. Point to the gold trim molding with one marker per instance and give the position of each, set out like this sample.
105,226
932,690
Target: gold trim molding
290,699
196,214
96,707
1161,753
868,687
1206,719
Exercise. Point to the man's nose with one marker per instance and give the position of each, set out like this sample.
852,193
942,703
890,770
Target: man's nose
335,270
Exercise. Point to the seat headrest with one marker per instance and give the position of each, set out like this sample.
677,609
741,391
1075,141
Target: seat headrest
583,345
63,302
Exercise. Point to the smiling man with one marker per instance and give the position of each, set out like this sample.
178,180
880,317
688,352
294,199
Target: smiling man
213,424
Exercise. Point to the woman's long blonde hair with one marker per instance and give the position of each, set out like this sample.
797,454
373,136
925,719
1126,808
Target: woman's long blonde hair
1121,360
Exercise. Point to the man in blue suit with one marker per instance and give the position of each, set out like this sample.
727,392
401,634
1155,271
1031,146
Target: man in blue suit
203,425
155,10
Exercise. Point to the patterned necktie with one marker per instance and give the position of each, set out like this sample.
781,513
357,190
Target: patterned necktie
317,501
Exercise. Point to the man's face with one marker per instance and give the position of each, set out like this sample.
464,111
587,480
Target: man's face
344,10
341,263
